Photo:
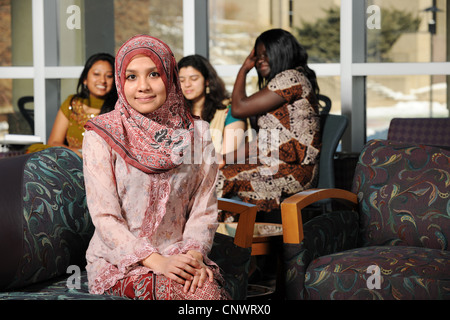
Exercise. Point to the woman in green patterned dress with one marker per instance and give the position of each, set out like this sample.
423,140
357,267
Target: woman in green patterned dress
96,94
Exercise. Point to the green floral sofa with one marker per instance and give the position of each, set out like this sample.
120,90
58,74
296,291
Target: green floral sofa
393,246
45,229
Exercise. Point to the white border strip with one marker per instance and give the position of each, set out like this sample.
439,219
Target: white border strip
16,72
49,72
63,72
394,69
321,69
326,69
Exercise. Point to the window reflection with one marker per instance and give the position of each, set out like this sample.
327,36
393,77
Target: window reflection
5,35
5,105
15,33
321,37
391,97
235,24
11,119
404,33
160,18
331,87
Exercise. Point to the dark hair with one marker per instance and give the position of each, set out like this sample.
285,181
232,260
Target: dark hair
83,91
285,52
217,94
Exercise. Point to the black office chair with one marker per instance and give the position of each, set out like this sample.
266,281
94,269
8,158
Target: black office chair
27,113
324,104
333,127
332,130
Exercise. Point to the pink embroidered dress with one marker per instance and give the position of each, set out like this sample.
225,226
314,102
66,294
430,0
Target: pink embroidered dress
143,193
126,206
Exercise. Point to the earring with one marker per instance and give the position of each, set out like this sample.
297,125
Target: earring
207,90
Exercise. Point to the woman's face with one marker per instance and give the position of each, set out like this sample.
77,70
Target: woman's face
100,79
192,83
262,60
144,88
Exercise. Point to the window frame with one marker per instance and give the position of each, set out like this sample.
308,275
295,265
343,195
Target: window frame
352,69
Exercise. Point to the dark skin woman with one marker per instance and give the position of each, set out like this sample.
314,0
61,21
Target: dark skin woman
283,160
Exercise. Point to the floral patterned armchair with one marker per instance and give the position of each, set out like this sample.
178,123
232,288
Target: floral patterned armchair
392,242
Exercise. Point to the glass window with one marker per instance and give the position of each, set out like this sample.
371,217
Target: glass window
251,83
391,97
233,28
15,33
12,120
317,26
65,34
234,25
162,19
5,105
5,35
331,88
407,31
15,50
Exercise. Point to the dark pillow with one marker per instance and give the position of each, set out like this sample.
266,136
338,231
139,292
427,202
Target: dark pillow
44,221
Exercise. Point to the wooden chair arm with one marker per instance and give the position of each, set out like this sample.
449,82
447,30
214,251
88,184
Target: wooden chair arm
291,208
247,217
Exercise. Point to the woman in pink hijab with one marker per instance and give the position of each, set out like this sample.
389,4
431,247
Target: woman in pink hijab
155,215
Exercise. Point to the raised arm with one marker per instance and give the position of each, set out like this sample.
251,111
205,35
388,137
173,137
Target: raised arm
263,101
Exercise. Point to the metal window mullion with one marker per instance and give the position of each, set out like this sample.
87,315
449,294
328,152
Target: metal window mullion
346,42
353,91
39,69
195,28
359,105
188,27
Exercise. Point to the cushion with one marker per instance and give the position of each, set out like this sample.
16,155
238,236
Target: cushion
406,273
431,131
58,289
404,196
45,222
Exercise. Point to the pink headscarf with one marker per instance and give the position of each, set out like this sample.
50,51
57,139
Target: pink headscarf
153,142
